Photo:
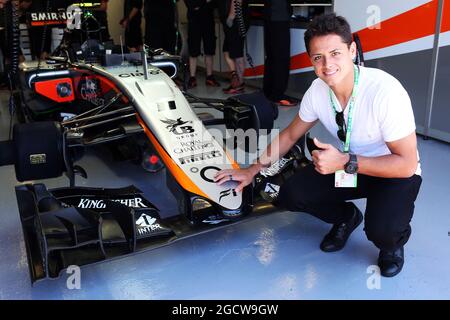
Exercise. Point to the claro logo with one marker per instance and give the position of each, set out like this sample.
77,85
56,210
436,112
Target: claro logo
131,74
138,74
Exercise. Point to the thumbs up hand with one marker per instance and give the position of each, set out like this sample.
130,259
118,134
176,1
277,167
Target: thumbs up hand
329,159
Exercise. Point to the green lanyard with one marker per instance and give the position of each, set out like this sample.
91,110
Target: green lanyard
350,110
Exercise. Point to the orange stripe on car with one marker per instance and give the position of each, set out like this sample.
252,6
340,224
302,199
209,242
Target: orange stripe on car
176,171
110,86
233,163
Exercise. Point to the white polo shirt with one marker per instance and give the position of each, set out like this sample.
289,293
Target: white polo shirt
382,112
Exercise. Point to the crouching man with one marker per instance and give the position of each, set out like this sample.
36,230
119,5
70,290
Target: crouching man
370,114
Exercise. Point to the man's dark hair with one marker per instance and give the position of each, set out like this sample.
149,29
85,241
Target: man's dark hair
326,24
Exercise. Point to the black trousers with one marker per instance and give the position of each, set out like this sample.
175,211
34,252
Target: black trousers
389,210
277,46
160,30
36,44
201,27
133,33
233,42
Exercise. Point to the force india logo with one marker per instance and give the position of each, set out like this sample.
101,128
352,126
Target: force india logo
100,203
226,193
178,126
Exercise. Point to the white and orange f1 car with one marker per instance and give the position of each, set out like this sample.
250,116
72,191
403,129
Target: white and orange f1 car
68,105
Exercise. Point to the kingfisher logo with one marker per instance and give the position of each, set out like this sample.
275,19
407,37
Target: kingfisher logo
275,168
86,203
147,224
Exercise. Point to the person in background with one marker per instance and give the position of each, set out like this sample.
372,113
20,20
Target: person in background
201,27
230,62
234,40
131,22
100,14
160,28
40,37
277,46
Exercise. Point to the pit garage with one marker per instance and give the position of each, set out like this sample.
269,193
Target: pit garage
109,160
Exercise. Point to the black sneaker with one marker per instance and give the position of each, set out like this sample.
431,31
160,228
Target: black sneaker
336,239
391,262
211,81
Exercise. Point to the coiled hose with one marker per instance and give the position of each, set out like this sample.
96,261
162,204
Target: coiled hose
240,19
13,37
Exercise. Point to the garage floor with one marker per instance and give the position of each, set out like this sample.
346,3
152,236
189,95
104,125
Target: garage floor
274,257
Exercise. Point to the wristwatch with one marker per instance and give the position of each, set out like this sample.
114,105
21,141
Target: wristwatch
351,166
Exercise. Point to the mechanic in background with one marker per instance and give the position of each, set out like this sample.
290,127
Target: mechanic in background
101,15
40,37
131,22
277,46
234,27
160,28
369,114
201,27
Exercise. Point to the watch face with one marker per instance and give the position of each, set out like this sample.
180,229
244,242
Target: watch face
351,168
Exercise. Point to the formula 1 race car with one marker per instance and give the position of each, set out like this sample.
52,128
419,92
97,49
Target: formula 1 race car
67,105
